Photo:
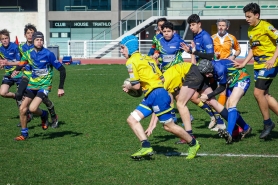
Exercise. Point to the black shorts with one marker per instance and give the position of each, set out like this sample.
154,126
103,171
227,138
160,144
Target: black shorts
35,93
194,79
263,84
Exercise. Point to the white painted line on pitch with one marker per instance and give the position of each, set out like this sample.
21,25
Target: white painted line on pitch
223,155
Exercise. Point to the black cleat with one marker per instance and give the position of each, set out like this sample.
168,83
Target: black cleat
246,133
224,134
266,131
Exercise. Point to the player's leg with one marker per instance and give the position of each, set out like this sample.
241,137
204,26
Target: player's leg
34,108
263,80
272,103
4,91
50,106
28,97
222,98
21,88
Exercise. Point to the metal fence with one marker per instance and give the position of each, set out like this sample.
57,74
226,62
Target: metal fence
87,49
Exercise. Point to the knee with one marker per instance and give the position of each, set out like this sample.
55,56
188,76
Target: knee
257,94
32,108
23,110
180,104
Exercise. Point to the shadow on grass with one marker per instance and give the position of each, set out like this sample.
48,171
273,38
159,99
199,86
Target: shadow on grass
57,134
159,139
272,135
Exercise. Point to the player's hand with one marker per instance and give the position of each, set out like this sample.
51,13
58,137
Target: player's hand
232,57
269,64
149,131
155,56
237,65
61,92
185,47
204,97
14,73
217,54
3,62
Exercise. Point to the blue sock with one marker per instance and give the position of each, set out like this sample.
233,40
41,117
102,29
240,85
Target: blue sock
207,109
232,117
24,132
146,144
43,113
190,132
193,142
268,122
219,120
240,121
224,114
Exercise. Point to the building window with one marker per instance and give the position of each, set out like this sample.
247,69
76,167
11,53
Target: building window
80,5
19,6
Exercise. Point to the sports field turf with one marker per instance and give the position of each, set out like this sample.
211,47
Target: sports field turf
93,143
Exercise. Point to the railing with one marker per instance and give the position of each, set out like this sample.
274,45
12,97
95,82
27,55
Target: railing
218,7
152,8
86,49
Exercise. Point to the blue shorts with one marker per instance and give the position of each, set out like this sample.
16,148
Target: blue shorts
264,73
11,81
158,101
244,85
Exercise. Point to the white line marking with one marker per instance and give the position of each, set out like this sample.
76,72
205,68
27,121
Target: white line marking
220,155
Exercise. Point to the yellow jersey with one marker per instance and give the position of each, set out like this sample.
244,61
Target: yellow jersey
174,76
225,45
263,39
143,69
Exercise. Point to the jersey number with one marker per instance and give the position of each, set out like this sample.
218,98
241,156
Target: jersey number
153,66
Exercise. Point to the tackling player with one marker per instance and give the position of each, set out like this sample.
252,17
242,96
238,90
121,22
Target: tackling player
144,73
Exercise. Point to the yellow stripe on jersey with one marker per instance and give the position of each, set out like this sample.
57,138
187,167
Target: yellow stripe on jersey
174,76
143,69
263,39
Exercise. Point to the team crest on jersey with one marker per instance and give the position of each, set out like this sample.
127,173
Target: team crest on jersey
271,28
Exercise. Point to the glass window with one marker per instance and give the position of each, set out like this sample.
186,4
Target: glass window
80,5
133,4
19,6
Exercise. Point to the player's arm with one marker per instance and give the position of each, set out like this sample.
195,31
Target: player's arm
246,60
209,50
237,49
133,76
273,33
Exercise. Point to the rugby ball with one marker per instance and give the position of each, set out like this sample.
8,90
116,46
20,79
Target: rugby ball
132,92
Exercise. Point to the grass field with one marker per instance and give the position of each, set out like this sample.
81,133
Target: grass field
93,143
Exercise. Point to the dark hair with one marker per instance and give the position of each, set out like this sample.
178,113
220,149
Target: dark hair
253,8
167,25
161,19
29,26
194,18
5,32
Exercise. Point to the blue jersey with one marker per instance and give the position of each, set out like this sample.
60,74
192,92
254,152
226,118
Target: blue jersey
41,65
224,72
11,53
170,51
203,42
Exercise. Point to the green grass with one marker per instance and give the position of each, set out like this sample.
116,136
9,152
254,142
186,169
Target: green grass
93,143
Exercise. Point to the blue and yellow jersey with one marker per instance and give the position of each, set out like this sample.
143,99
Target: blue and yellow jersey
174,76
143,69
169,51
224,72
263,39
203,43
10,53
41,64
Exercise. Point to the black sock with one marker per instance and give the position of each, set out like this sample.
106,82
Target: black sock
224,114
50,106
146,144
21,88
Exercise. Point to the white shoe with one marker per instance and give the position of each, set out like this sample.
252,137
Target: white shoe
217,127
212,122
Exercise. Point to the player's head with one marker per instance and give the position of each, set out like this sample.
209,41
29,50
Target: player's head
29,29
205,67
5,37
160,22
167,30
194,22
129,45
252,13
38,39
222,26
